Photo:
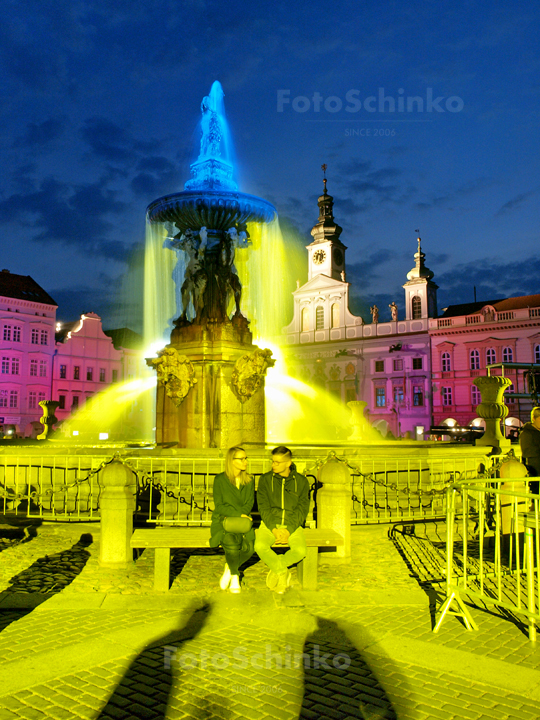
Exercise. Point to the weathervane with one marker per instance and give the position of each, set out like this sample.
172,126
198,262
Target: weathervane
323,168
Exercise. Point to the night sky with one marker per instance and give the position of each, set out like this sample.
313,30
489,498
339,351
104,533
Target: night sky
100,106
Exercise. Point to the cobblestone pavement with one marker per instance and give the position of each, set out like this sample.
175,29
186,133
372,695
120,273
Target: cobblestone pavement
105,646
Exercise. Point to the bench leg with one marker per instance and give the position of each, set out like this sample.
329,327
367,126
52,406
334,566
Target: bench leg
307,569
162,565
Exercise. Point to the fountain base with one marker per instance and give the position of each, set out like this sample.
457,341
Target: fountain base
223,403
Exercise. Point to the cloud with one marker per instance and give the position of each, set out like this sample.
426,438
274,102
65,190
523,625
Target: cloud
514,203
113,142
452,195
40,134
157,176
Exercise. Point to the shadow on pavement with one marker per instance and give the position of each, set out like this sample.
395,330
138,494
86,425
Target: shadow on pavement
46,577
339,680
145,688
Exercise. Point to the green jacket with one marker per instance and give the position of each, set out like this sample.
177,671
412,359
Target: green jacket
529,441
230,501
283,501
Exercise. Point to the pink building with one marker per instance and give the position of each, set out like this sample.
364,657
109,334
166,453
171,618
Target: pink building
468,338
27,319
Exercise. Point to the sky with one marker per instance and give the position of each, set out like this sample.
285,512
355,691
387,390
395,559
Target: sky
426,115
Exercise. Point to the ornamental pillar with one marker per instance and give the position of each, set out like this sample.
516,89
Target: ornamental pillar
117,503
334,507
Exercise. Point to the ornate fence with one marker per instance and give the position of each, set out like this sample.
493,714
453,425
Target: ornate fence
173,489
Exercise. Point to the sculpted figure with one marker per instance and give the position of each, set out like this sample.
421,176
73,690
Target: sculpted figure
394,310
212,131
195,277
374,310
227,277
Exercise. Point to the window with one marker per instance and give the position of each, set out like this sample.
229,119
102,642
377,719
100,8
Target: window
115,376
101,374
76,372
474,360
379,365
476,395
398,395
15,365
416,308
445,362
507,355
61,402
335,315
446,393
35,337
41,397
75,401
491,358
32,400
63,372
3,398
33,368
42,368
418,395
380,397
90,374
305,319
398,364
5,366
7,332
16,334
417,363
319,318
44,337
537,353
13,398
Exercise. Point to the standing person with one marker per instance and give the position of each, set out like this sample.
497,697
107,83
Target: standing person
529,442
234,494
283,501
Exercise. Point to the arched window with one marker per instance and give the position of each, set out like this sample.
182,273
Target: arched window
319,318
491,358
416,308
335,315
445,362
474,360
305,319
507,355
537,353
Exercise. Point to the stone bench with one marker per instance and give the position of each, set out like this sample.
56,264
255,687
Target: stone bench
165,539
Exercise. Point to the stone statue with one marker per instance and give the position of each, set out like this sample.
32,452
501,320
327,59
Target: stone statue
227,278
342,276
195,277
212,131
394,310
374,310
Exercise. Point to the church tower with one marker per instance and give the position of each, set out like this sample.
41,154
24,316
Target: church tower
326,254
420,290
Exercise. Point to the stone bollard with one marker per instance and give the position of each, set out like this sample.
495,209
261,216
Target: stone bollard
117,503
492,409
513,473
334,508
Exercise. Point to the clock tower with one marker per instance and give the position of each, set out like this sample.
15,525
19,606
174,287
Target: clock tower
326,252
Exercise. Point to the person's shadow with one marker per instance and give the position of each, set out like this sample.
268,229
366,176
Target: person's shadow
338,678
146,685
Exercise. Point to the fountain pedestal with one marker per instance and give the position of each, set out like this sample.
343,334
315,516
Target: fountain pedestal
211,387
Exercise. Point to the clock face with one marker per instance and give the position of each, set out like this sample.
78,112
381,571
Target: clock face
318,257
338,257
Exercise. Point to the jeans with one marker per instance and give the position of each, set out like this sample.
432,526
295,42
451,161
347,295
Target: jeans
237,549
264,539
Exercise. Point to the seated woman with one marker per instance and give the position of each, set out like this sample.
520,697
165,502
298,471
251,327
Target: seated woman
234,494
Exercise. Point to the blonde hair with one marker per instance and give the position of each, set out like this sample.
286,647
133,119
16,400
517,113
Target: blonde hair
229,470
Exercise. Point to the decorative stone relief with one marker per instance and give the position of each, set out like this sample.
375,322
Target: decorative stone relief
249,371
335,372
175,372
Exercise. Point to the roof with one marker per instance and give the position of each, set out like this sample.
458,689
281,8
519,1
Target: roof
499,305
125,338
23,287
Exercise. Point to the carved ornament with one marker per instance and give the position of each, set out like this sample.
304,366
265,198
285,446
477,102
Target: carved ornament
175,372
249,371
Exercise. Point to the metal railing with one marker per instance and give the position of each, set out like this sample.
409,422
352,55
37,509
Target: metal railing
492,550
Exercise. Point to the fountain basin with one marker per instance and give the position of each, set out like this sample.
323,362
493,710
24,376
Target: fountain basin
213,209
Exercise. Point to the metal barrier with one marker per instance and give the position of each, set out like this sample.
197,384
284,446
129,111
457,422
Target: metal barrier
492,550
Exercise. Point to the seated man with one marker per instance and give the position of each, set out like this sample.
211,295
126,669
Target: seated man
283,502
529,441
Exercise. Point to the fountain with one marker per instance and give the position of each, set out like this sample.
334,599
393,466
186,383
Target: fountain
210,390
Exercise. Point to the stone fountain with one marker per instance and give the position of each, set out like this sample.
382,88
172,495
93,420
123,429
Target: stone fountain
210,389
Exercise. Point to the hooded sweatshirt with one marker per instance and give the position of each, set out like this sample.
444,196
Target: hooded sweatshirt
529,442
283,501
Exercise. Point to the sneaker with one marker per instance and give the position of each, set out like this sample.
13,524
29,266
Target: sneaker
225,578
234,587
284,580
272,580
